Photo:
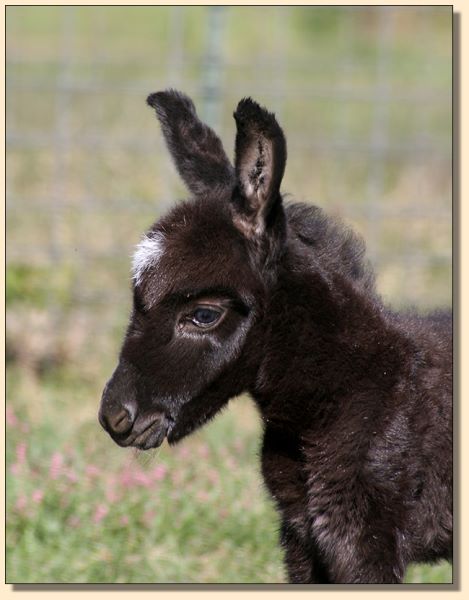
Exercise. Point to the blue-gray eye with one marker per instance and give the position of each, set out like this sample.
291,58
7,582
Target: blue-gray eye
204,316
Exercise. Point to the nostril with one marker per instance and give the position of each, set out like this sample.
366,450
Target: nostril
121,422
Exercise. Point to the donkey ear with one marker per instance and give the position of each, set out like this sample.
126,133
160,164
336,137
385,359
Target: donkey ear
196,150
261,154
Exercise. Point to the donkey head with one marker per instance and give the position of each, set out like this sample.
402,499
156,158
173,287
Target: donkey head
201,276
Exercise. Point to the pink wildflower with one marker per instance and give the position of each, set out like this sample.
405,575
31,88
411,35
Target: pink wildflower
184,452
111,494
56,465
99,514
159,472
15,468
11,418
203,450
21,453
177,477
202,496
37,496
21,503
71,475
142,479
213,476
124,520
92,471
126,478
231,463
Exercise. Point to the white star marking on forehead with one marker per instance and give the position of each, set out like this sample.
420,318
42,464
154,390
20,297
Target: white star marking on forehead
147,253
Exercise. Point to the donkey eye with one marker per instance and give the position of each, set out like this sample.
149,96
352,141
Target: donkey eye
205,316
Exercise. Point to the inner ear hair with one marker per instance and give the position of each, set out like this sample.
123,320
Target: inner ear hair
260,164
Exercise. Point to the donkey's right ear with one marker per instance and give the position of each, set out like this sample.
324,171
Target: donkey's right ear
196,150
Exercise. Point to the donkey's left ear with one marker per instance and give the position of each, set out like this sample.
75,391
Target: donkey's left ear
261,154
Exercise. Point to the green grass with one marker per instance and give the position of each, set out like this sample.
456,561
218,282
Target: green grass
82,510
78,202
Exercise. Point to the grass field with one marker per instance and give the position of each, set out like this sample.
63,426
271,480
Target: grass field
85,511
368,121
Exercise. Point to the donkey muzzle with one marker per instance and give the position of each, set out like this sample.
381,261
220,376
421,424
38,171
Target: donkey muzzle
119,414
143,432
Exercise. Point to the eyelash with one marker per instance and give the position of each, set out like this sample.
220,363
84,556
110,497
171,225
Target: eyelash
189,318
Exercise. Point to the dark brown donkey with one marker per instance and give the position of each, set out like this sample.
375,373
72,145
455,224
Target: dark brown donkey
236,291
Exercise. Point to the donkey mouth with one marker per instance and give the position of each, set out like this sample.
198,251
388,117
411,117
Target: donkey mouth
148,433
151,437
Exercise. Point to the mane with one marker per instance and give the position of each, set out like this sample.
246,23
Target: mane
331,244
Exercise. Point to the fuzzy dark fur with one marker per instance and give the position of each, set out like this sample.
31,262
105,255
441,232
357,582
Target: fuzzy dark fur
355,399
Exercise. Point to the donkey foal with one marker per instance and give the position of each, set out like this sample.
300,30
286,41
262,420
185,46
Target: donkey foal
237,291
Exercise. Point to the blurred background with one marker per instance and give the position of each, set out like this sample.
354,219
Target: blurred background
364,96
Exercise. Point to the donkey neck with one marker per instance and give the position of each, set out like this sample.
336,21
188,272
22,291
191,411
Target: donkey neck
325,339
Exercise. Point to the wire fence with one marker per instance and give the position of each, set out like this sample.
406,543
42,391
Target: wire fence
363,93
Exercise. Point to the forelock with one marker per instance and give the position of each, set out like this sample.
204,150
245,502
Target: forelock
147,254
